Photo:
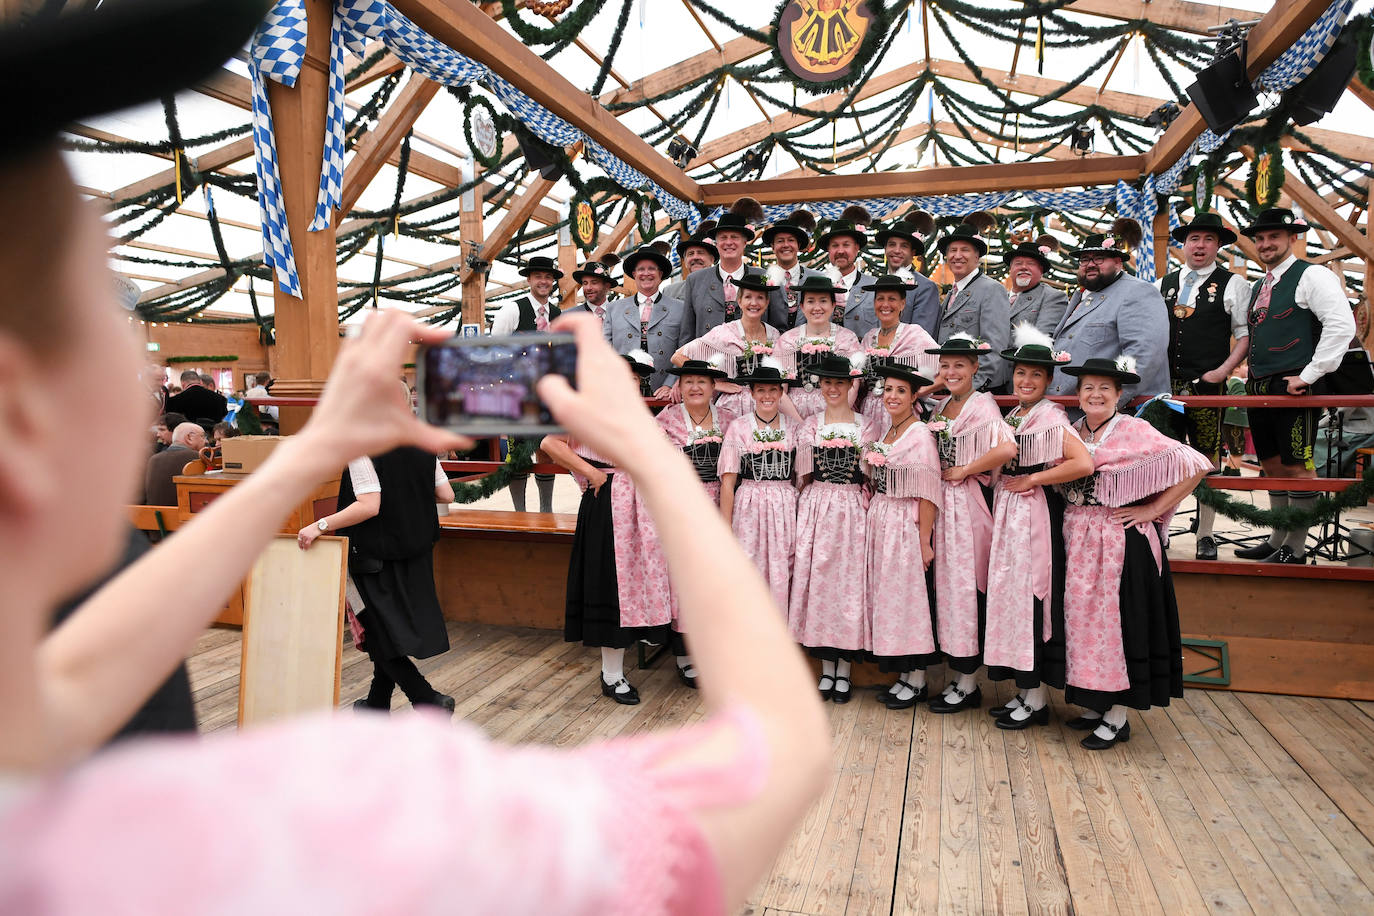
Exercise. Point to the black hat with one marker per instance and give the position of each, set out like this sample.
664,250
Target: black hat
641,369
1034,250
734,222
904,372
700,240
1125,234
646,253
1205,222
853,221
756,282
816,283
798,223
764,375
1122,369
962,345
76,65
1036,354
832,365
901,229
594,269
698,367
890,282
964,232
539,262
1275,218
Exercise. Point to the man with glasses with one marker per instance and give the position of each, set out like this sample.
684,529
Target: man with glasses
1114,314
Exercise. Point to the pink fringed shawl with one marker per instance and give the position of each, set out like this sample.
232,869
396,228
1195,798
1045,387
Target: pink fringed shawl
1134,461
978,428
911,464
909,346
727,340
1040,434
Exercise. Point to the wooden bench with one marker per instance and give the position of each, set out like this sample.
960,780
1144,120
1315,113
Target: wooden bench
504,568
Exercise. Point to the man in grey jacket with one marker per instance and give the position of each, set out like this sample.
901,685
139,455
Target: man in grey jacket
788,238
976,305
843,242
709,296
902,244
1114,314
1032,300
647,320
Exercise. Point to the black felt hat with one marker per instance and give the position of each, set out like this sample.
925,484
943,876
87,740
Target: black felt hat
646,253
964,232
539,262
1205,222
641,369
799,224
904,372
832,365
756,282
853,221
890,283
698,367
902,230
764,375
1034,355
733,222
1109,368
816,283
1275,218
1029,250
962,345
700,240
594,269
74,66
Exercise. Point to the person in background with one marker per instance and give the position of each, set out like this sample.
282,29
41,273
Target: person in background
903,242
976,305
260,387
159,487
162,430
843,243
208,381
694,253
1032,300
646,320
221,432
595,281
200,404
788,238
155,381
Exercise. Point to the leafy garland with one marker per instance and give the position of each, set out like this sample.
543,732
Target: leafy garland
1323,508
474,102
519,460
1203,179
558,33
1364,44
878,26
230,358
1270,156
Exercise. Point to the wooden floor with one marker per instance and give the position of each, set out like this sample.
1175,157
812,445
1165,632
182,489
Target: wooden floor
1224,802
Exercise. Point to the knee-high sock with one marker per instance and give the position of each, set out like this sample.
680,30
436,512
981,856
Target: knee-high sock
1206,515
1297,537
544,484
517,487
1278,499
612,665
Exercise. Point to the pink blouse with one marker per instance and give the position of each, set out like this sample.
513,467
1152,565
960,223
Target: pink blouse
363,814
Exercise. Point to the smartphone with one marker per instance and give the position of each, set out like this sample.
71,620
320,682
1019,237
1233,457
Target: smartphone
485,386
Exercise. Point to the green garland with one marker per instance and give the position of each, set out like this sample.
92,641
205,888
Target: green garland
558,33
1364,45
202,359
474,102
1274,152
519,460
878,25
1203,180
1323,509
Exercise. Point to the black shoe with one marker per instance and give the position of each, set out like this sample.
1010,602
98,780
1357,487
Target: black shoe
885,695
1084,723
364,706
962,701
1094,743
1261,551
628,697
444,700
1039,716
998,712
1285,554
1230,472
688,680
842,696
827,692
921,695
1206,548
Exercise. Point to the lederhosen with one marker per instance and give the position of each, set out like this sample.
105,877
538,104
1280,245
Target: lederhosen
1283,339
1199,341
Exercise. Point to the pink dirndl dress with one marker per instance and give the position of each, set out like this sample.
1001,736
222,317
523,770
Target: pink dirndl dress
764,517
1121,632
797,348
897,606
826,614
908,348
1024,638
963,532
741,357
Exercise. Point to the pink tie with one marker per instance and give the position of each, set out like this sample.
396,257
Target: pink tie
1260,310
1012,299
730,293
600,313
541,320
646,310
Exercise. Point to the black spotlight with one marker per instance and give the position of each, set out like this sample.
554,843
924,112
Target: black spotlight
681,152
1223,93
1081,139
539,156
1163,116
754,159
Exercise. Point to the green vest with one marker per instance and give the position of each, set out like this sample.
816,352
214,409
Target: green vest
528,322
1284,336
1199,342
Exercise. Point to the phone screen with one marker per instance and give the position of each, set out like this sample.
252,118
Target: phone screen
486,386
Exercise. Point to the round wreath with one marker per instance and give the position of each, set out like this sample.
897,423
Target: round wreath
582,221
567,30
1266,176
644,218
881,18
469,109
1204,177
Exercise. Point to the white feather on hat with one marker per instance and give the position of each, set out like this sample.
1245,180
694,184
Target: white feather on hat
1026,334
962,335
640,356
717,360
771,362
857,362
1126,363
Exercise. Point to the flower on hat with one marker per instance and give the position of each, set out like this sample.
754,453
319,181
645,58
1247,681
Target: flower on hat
984,345
857,362
1045,250
1061,356
1108,241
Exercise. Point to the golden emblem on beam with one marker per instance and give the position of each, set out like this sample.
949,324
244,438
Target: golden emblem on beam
819,40
582,223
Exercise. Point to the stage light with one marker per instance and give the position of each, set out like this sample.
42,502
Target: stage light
1163,116
681,152
754,159
1081,139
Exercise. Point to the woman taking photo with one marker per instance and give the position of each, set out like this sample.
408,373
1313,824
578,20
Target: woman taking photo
1121,637
697,427
807,344
903,469
826,613
973,441
1024,639
612,595
757,495
892,343
744,341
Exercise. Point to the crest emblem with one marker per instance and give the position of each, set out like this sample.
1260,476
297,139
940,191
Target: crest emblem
819,40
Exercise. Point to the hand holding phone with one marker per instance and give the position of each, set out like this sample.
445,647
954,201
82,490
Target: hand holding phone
485,386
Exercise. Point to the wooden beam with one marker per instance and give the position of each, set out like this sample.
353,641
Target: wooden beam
384,139
685,72
1280,27
1361,91
1180,15
466,29
474,283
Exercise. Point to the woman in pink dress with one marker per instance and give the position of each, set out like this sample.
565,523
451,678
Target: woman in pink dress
757,495
809,343
1024,638
894,343
744,342
903,469
973,442
614,597
1122,646
697,427
826,613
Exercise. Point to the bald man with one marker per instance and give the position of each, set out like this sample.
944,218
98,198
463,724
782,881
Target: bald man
158,489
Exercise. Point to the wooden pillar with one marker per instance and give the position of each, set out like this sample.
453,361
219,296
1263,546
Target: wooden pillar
1160,227
473,233
1369,264
307,328
567,262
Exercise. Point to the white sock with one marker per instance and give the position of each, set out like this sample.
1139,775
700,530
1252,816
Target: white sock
1278,499
612,665
916,679
967,683
1206,515
1116,716
1035,698
1032,701
827,671
1090,714
842,671
685,663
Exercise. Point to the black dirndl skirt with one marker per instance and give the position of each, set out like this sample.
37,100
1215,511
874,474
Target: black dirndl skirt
592,609
1049,656
1149,635
401,613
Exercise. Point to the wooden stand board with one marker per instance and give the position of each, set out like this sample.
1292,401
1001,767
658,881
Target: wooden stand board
293,630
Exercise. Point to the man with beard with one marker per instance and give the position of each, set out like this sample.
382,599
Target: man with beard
533,312
596,283
1300,327
902,242
1032,301
845,239
1114,314
788,238
710,297
694,254
976,305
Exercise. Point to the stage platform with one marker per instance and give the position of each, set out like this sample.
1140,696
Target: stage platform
1225,802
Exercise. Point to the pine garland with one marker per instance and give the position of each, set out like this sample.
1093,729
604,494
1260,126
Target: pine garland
1323,509
230,358
519,460
560,32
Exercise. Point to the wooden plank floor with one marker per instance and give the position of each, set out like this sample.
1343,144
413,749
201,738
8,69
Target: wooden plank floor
1224,802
